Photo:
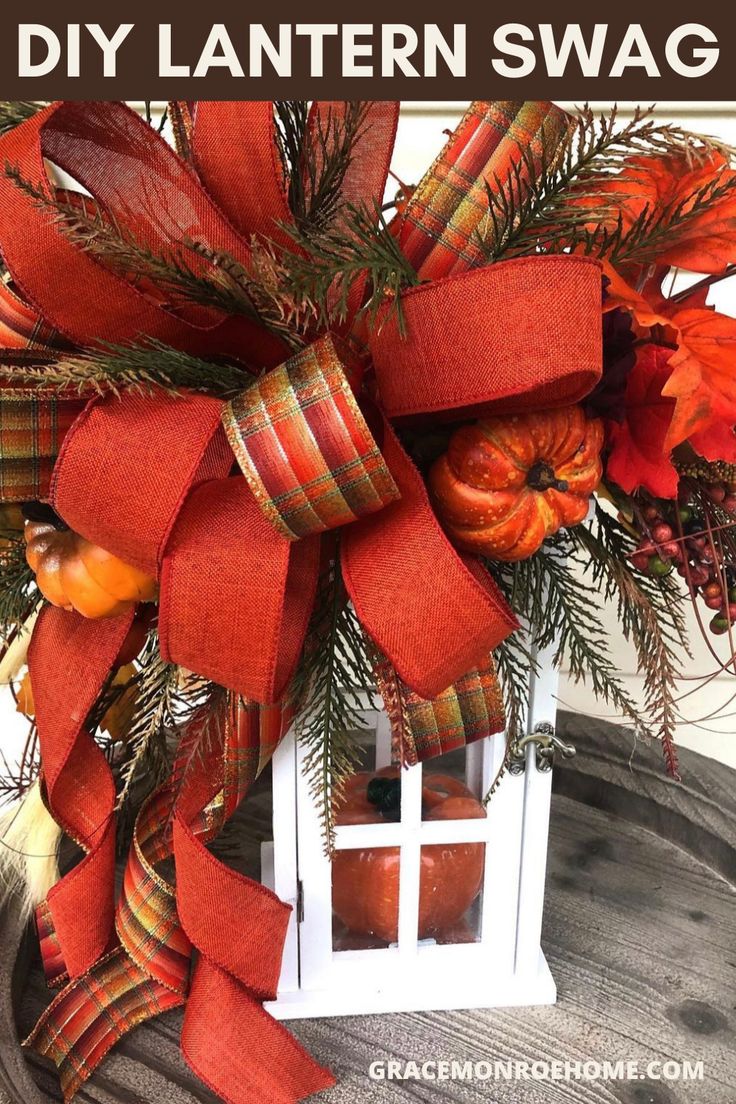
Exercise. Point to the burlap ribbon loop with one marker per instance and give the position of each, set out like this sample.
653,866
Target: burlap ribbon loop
501,338
429,595
135,177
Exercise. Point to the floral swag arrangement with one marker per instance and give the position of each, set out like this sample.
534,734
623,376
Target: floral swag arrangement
265,448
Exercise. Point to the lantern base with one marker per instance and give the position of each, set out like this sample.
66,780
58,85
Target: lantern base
471,979
465,992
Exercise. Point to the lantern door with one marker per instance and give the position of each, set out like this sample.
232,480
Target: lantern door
427,904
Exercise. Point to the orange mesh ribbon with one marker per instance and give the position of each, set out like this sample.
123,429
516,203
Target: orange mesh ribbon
155,480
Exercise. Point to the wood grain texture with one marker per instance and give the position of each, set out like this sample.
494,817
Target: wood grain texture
640,933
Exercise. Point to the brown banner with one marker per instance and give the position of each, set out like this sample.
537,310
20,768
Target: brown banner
225,49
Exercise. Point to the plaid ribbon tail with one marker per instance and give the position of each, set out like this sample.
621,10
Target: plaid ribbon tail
423,728
149,971
438,232
33,424
93,1013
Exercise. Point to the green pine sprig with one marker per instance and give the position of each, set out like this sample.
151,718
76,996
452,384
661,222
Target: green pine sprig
556,200
333,675
559,607
327,265
658,227
315,156
514,663
143,368
177,718
190,272
19,595
154,721
15,112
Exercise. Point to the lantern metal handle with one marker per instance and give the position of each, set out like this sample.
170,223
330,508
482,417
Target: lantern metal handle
546,742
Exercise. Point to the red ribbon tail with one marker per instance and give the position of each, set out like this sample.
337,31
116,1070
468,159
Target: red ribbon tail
435,615
240,1051
69,659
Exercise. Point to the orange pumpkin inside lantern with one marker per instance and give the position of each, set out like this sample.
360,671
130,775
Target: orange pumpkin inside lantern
365,882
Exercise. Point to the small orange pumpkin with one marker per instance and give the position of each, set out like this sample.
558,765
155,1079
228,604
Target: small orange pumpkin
365,883
507,483
73,573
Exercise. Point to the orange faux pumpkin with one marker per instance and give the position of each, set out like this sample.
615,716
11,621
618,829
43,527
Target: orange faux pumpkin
507,483
73,573
365,883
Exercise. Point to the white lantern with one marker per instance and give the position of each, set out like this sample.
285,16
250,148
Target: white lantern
495,958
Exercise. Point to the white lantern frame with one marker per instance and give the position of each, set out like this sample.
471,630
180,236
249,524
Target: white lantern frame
505,967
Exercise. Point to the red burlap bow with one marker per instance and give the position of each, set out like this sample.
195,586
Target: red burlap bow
150,477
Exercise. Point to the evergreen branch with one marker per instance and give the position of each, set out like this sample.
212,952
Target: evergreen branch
328,265
148,115
547,593
315,156
643,614
142,368
658,227
514,663
177,718
96,231
531,204
19,596
153,723
292,125
191,272
333,674
547,202
263,285
15,112
201,729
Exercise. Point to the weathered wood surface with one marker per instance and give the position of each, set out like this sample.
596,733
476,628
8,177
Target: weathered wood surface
640,933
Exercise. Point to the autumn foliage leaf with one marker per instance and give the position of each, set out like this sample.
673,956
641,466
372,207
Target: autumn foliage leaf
620,294
695,199
638,456
703,379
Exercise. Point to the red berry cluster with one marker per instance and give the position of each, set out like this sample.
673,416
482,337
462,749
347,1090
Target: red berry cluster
659,551
693,557
724,495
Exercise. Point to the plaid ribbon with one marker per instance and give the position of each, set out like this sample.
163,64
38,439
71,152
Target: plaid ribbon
438,231
91,1015
423,728
148,973
305,447
33,424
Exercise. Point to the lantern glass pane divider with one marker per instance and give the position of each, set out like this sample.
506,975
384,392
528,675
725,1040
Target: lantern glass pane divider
504,967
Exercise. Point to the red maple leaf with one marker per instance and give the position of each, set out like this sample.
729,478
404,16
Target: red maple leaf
695,194
639,456
703,379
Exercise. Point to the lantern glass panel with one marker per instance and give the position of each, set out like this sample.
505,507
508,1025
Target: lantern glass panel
365,898
451,892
